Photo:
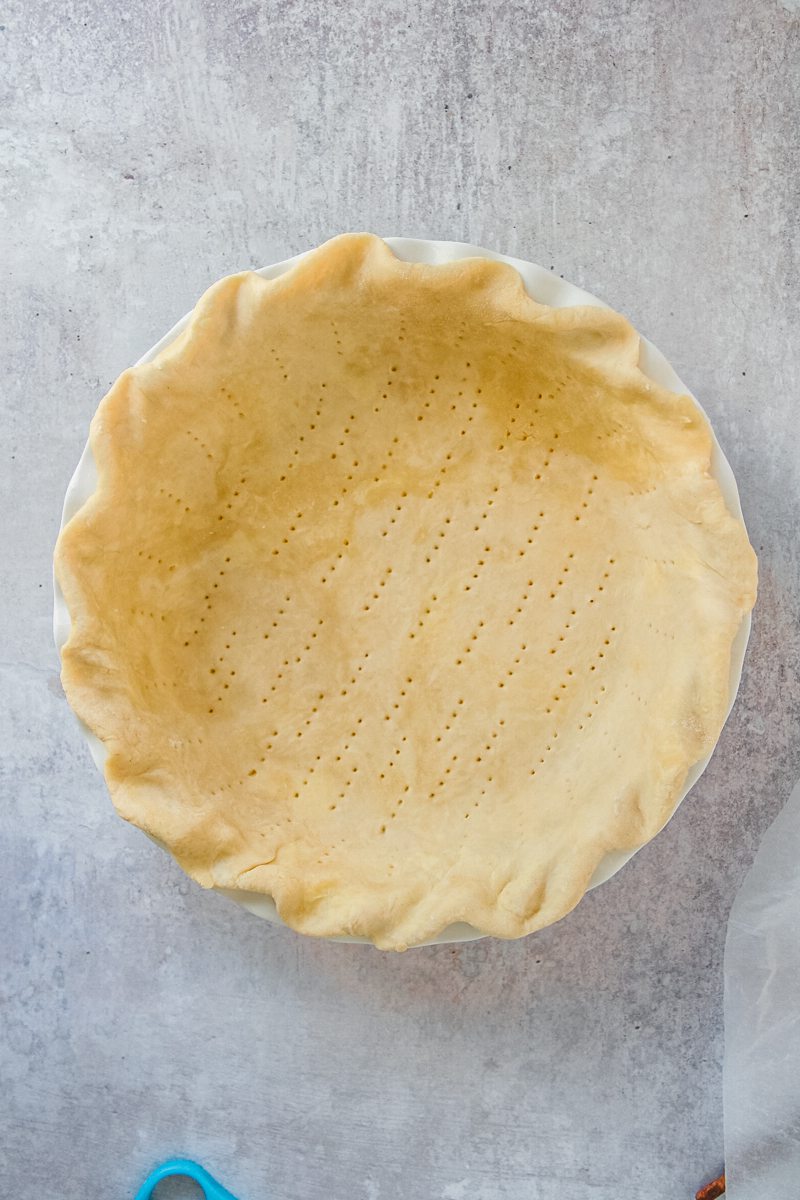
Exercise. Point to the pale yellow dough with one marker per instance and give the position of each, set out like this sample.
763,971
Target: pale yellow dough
401,598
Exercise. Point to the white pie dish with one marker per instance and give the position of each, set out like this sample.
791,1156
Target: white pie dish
546,288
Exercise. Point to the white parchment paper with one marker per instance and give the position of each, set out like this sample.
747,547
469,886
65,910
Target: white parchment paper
762,1020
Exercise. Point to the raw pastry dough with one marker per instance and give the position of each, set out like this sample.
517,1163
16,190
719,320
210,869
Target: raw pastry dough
401,598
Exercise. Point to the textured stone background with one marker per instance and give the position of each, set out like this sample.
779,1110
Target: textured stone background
648,151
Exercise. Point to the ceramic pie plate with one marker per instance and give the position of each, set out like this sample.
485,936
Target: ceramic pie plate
546,288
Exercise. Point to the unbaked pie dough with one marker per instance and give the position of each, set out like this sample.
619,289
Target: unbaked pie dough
402,598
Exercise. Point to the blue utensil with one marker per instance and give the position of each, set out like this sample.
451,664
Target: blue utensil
189,1170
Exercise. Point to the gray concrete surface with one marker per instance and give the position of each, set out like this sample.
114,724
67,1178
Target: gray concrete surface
648,151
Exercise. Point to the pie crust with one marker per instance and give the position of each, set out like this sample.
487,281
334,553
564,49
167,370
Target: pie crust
401,598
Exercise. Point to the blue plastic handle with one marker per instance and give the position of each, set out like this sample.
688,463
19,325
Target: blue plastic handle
190,1170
